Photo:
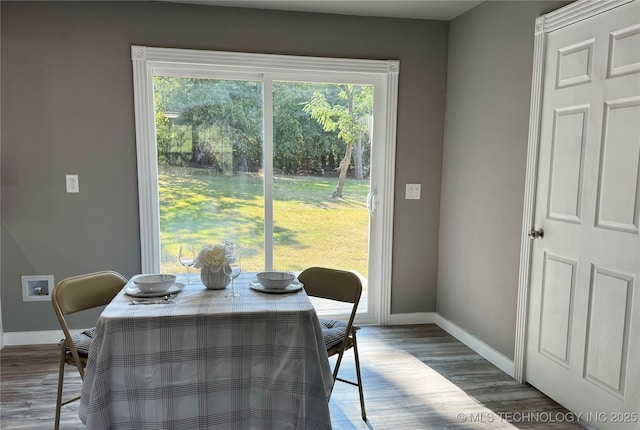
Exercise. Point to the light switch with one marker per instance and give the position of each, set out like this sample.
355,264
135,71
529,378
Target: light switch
413,191
72,184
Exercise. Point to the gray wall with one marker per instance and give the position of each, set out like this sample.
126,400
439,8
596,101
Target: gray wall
67,107
485,150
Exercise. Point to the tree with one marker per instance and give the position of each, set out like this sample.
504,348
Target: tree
224,118
350,119
300,144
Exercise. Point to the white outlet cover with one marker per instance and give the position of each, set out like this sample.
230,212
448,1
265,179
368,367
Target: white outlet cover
72,183
413,191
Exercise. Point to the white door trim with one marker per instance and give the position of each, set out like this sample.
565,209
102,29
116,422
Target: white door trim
148,61
544,24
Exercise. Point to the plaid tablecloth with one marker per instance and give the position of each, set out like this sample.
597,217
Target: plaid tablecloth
208,362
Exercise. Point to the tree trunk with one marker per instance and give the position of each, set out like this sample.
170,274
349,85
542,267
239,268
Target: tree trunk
344,167
194,144
357,159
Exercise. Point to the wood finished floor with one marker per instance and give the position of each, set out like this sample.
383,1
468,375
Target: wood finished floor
415,377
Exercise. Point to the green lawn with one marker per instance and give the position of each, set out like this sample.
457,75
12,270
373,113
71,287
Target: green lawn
310,227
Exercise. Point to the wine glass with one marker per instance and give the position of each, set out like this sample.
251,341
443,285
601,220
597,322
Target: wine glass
232,269
187,258
229,247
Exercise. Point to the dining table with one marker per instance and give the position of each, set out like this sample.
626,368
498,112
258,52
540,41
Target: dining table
200,360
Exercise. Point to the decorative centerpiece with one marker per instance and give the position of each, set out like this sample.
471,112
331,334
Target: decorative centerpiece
210,261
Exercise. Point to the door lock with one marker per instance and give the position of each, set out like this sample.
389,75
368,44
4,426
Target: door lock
536,234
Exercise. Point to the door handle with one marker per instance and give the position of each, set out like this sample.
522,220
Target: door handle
371,203
536,234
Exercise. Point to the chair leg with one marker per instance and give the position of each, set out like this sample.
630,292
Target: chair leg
357,359
63,354
335,372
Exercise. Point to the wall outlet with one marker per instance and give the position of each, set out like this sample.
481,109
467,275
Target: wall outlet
413,191
72,184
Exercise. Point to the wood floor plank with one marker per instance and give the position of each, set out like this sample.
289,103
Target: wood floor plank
415,377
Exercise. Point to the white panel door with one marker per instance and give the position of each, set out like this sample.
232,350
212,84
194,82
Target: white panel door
583,341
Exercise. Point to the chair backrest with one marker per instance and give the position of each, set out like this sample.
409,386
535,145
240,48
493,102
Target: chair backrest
333,284
86,291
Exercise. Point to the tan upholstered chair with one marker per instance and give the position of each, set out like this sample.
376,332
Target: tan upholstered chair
72,295
338,336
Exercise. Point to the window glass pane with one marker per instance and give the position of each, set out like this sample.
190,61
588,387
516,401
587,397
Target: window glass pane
209,145
319,218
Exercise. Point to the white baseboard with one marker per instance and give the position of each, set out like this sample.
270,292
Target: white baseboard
413,318
34,337
494,357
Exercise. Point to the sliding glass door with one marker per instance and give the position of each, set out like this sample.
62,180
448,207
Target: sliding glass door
281,163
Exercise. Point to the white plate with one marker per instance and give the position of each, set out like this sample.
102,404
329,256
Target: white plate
133,291
296,286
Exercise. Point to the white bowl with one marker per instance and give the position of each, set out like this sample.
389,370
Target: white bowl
154,283
275,280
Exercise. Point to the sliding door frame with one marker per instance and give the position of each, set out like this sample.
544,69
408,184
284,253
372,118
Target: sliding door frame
151,61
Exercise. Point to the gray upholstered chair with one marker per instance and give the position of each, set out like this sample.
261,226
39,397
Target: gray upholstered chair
339,336
72,295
